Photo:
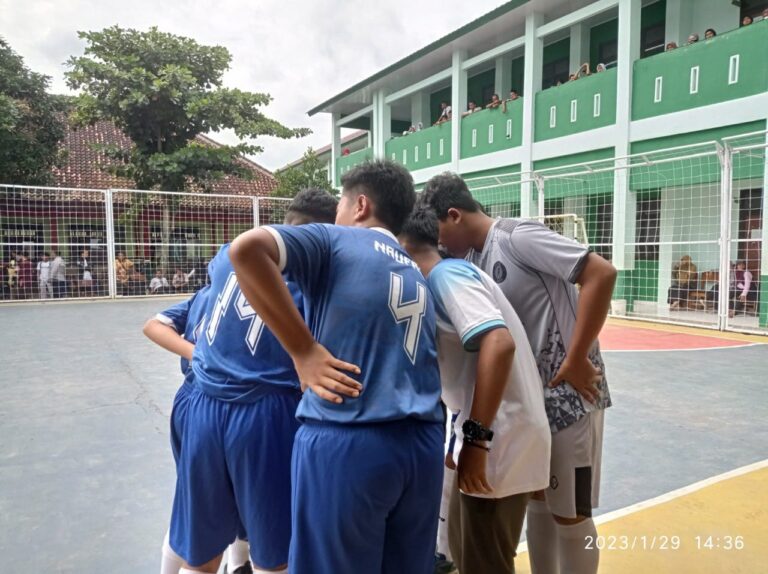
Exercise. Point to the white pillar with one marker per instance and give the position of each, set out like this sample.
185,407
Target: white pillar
458,104
579,51
673,25
420,111
628,52
382,124
534,52
503,76
335,146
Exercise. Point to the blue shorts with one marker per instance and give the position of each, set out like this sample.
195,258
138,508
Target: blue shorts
178,419
235,465
366,498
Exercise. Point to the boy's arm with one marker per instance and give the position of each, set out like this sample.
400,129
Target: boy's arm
497,350
165,336
255,256
597,280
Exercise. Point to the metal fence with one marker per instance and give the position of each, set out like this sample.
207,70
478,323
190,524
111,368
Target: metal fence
684,226
58,243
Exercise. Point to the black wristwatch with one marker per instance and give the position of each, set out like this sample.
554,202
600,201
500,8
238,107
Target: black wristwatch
474,431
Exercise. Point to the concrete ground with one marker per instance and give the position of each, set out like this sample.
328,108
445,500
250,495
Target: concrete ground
86,473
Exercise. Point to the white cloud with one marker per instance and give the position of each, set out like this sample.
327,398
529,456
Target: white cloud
300,52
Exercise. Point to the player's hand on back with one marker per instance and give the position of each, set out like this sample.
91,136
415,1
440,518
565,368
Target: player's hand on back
582,375
320,371
471,469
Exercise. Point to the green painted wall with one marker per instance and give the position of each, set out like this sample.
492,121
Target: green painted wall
518,73
712,57
576,186
494,130
479,83
421,149
497,190
347,162
583,91
566,160
695,137
599,34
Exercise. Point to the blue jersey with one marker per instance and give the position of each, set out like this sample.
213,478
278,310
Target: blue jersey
237,358
187,319
369,305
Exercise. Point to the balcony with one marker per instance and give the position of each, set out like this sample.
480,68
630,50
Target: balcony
425,148
578,106
729,66
492,130
346,162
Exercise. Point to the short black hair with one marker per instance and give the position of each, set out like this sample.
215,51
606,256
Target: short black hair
421,227
315,204
446,191
390,187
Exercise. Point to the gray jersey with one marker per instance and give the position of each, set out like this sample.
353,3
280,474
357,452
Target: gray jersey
537,269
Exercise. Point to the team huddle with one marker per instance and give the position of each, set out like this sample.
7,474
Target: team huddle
310,431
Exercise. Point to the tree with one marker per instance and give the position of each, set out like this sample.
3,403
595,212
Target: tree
162,91
309,173
31,124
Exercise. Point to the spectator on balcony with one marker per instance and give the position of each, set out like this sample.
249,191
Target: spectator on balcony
445,113
671,46
513,95
583,71
159,284
471,109
600,68
747,20
179,281
765,14
709,33
692,39
58,275
573,78
44,277
345,151
494,103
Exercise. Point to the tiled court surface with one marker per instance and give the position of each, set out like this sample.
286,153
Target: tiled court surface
86,474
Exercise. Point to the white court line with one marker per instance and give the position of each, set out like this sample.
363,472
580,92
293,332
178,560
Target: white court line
669,496
739,346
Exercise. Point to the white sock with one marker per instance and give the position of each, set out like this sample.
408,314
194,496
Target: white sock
576,555
259,571
188,571
445,503
541,535
170,562
237,555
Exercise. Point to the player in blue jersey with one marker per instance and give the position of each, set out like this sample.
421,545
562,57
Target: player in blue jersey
367,465
236,448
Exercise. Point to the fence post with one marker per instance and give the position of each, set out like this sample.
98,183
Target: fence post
724,155
540,192
256,214
110,243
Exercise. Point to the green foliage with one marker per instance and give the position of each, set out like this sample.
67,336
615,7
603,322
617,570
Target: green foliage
31,124
162,91
309,173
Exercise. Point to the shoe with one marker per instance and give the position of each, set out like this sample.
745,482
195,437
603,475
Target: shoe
244,569
443,565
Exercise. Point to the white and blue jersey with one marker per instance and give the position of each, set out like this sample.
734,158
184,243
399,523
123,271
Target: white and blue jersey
187,320
237,358
368,304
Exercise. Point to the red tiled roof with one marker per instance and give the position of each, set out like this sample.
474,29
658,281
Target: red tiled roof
83,166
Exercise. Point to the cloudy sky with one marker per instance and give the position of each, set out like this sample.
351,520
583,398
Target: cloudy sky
299,51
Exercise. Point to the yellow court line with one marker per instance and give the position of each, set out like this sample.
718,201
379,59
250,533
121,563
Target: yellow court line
685,330
719,528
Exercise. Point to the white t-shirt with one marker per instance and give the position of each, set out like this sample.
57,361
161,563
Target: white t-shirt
44,270
158,283
468,305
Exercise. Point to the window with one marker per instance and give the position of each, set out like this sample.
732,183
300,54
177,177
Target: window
490,134
429,150
552,116
474,138
394,157
509,129
554,72
647,226
416,155
752,8
574,110
694,81
733,70
442,148
608,53
657,89
596,106
405,157
652,40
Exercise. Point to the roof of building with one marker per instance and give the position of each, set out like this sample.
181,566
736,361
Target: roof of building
83,167
327,148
